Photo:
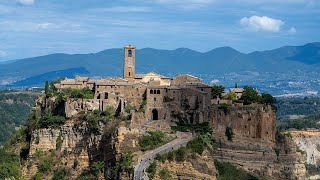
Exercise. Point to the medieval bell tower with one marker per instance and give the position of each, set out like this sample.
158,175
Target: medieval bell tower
129,62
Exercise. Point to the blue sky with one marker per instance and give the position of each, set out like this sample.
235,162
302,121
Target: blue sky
38,27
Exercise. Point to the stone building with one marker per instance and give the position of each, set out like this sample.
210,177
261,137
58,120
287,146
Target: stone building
152,90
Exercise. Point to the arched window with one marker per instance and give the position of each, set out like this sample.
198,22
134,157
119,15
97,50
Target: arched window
158,91
129,53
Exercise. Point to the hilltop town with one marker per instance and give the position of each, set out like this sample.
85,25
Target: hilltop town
144,126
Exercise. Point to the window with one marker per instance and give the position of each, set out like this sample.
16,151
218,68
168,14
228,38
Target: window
129,74
98,86
129,53
151,91
155,99
158,91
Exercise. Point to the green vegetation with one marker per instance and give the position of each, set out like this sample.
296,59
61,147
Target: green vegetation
59,142
61,174
124,165
249,95
230,96
196,145
165,174
182,126
97,168
93,118
313,169
9,165
50,121
229,133
167,99
46,88
216,91
299,124
14,110
141,108
227,171
152,139
304,112
129,108
151,170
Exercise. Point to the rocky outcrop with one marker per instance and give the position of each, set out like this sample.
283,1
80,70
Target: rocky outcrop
255,145
72,142
199,167
309,142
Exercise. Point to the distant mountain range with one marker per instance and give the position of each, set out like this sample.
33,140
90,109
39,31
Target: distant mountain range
33,71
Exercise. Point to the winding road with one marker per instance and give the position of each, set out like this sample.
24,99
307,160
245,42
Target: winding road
145,160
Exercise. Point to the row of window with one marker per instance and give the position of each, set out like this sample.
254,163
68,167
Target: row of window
154,91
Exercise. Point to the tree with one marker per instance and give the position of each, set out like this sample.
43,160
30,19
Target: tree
46,89
249,95
216,91
268,99
231,96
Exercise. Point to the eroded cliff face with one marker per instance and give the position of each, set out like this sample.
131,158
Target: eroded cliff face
71,144
309,142
255,145
199,167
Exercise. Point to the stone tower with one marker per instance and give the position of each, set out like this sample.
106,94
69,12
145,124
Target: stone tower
129,62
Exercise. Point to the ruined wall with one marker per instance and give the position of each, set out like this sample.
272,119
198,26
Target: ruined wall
74,105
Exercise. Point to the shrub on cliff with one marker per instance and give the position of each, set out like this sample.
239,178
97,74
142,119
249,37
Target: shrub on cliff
61,174
165,174
197,145
49,121
151,140
151,170
229,171
97,168
229,133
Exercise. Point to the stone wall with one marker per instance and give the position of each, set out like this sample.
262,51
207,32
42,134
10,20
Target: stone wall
74,106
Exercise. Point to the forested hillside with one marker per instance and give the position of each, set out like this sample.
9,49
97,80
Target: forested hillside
14,110
298,112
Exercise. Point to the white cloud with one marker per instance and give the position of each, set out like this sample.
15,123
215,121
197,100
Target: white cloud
214,81
292,30
3,54
26,2
263,23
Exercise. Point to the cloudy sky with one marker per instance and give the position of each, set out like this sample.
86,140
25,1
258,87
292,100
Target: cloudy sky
38,27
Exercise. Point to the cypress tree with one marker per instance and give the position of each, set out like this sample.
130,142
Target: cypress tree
46,89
